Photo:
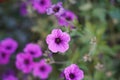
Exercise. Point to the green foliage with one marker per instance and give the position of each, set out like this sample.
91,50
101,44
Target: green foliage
97,34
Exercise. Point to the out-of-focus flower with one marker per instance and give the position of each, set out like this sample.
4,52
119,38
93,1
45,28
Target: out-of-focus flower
49,60
40,42
73,1
41,69
62,75
33,49
93,40
73,72
24,62
10,77
41,5
9,44
115,21
109,74
56,9
23,9
67,19
48,53
112,2
99,66
4,56
86,7
58,41
87,57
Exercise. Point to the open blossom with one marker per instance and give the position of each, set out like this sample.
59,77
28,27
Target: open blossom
33,49
66,19
41,69
4,56
9,44
41,5
58,41
73,72
56,9
24,62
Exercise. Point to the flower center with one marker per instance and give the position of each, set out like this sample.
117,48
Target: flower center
8,47
68,18
72,76
58,40
56,9
3,55
26,61
31,52
23,6
42,68
42,2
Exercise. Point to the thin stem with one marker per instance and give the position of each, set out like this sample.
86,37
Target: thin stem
57,62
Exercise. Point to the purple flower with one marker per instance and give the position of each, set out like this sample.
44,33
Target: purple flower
23,9
4,56
41,69
41,5
33,49
58,41
9,44
10,77
24,62
56,9
73,72
62,74
66,19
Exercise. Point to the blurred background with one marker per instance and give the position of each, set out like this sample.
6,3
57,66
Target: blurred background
95,43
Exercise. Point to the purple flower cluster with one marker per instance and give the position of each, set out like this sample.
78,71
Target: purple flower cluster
57,41
64,17
25,61
73,72
7,47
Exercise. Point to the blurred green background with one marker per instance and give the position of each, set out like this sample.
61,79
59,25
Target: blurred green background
95,43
